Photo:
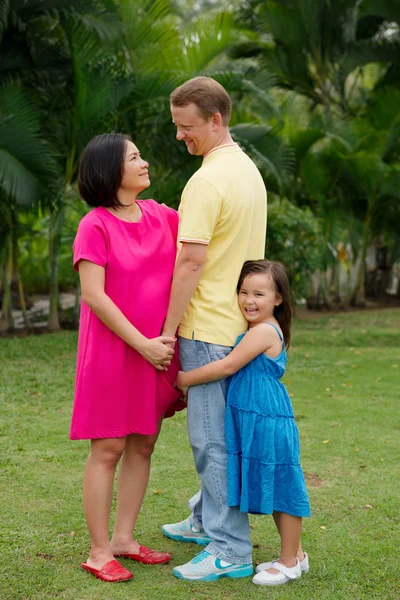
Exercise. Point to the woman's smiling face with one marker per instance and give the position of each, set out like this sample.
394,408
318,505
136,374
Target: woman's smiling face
135,173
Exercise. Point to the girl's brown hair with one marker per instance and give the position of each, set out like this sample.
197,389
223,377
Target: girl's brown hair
282,312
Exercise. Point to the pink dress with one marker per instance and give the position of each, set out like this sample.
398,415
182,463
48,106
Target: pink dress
117,391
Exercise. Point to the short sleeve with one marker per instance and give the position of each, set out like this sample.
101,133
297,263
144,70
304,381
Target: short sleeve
173,220
199,211
90,242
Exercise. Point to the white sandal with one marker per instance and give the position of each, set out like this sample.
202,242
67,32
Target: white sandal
285,575
304,565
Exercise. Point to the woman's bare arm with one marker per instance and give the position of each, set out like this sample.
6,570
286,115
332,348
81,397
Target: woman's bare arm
155,350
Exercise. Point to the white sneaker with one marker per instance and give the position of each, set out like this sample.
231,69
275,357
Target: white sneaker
304,565
285,575
186,532
206,567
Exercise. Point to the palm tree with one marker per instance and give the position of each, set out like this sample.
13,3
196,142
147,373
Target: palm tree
351,178
327,58
27,171
53,49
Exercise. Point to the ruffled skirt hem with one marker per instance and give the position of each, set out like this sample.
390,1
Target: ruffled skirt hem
260,488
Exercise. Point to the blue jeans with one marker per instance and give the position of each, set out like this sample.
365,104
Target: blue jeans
226,525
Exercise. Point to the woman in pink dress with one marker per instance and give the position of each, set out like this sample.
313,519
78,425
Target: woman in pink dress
125,254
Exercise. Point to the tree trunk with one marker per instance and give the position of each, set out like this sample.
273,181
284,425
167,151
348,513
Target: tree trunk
323,292
17,275
55,227
336,284
318,292
6,320
313,287
358,291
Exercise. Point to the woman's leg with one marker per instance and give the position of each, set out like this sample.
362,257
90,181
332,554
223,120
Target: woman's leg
277,519
97,496
132,483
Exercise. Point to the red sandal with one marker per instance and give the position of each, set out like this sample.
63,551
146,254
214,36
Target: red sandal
147,556
112,572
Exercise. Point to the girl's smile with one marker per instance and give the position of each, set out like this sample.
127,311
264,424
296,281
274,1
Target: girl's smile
257,298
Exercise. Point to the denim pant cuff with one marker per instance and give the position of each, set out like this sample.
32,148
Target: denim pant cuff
195,508
236,560
196,524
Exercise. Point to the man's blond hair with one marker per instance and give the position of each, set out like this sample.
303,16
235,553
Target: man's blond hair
207,94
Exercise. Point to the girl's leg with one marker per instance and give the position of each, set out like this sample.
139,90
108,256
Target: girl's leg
289,528
97,496
277,519
132,483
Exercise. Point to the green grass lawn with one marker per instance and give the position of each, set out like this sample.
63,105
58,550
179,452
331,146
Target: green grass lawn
343,376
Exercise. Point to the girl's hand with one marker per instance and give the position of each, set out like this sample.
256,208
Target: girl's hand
158,352
180,383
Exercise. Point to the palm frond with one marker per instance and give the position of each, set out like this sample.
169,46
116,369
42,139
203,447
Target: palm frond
385,9
16,180
4,12
149,31
27,166
202,42
370,51
303,140
275,160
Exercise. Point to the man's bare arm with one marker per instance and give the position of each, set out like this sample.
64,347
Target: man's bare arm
187,274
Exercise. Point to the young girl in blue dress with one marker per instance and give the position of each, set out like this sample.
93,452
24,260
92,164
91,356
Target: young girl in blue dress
264,472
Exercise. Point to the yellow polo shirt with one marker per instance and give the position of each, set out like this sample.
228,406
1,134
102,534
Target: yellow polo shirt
224,205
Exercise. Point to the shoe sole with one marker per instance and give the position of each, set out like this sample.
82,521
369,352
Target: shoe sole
235,574
275,583
181,538
305,570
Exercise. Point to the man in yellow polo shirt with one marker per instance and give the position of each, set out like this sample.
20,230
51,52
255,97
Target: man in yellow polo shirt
222,224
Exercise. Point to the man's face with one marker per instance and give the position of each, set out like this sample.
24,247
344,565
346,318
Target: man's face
197,132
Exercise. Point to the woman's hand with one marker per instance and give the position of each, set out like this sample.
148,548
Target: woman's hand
158,351
180,383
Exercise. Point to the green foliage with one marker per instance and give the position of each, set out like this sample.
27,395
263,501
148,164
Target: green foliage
315,90
27,167
294,239
274,158
33,248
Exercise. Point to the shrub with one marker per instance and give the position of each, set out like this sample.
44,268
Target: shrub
294,238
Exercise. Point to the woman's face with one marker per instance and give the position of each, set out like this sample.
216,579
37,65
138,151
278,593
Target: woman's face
135,174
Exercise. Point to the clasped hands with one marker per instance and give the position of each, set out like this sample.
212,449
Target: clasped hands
159,351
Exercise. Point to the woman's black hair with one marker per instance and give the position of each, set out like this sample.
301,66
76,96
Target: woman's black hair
282,312
101,168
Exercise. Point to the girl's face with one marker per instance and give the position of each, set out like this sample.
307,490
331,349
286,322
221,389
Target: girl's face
135,173
257,298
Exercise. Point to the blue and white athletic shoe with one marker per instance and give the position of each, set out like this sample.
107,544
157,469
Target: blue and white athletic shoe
206,567
186,532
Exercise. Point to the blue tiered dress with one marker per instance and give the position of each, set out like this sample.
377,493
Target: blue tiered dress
264,471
